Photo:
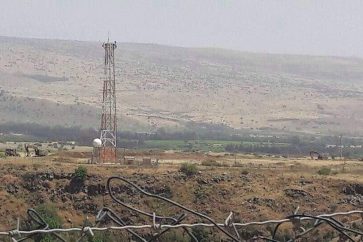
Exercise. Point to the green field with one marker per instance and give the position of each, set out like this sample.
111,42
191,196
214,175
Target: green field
200,145
203,145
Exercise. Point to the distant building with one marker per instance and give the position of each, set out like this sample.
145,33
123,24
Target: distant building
146,161
129,160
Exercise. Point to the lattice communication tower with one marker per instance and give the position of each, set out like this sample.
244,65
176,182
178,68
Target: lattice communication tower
108,130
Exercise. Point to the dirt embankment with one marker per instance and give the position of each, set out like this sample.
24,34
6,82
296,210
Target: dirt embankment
251,194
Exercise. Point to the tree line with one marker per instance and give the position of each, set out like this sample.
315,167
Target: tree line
272,144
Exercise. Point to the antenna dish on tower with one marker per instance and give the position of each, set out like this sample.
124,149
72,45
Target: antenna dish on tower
97,143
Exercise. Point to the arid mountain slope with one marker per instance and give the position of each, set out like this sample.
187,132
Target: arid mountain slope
168,86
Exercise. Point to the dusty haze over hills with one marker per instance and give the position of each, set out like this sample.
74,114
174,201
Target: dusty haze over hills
59,82
324,27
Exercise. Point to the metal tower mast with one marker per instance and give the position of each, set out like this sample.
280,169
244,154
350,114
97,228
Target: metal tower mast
108,130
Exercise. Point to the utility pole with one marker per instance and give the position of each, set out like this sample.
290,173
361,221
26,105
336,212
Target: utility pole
341,147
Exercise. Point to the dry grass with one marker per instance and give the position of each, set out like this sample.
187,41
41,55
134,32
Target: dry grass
228,188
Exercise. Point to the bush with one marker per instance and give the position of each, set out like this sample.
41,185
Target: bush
80,173
324,171
77,182
49,213
189,169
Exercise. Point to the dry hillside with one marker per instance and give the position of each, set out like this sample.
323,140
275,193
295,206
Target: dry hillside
168,86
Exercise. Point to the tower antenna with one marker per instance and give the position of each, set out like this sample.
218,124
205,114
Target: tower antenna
108,129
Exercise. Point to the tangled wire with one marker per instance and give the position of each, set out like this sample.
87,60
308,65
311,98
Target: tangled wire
160,224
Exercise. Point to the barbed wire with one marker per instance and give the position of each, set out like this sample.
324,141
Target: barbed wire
156,226
161,224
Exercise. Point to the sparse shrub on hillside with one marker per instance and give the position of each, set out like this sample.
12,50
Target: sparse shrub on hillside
357,226
189,169
210,162
324,171
202,234
76,184
49,213
327,236
80,173
200,195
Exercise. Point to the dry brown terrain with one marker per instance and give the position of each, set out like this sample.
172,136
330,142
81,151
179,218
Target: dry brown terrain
253,188
43,81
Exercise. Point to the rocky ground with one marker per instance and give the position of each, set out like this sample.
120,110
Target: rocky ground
251,192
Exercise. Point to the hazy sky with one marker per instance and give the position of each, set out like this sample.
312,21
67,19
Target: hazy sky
319,27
